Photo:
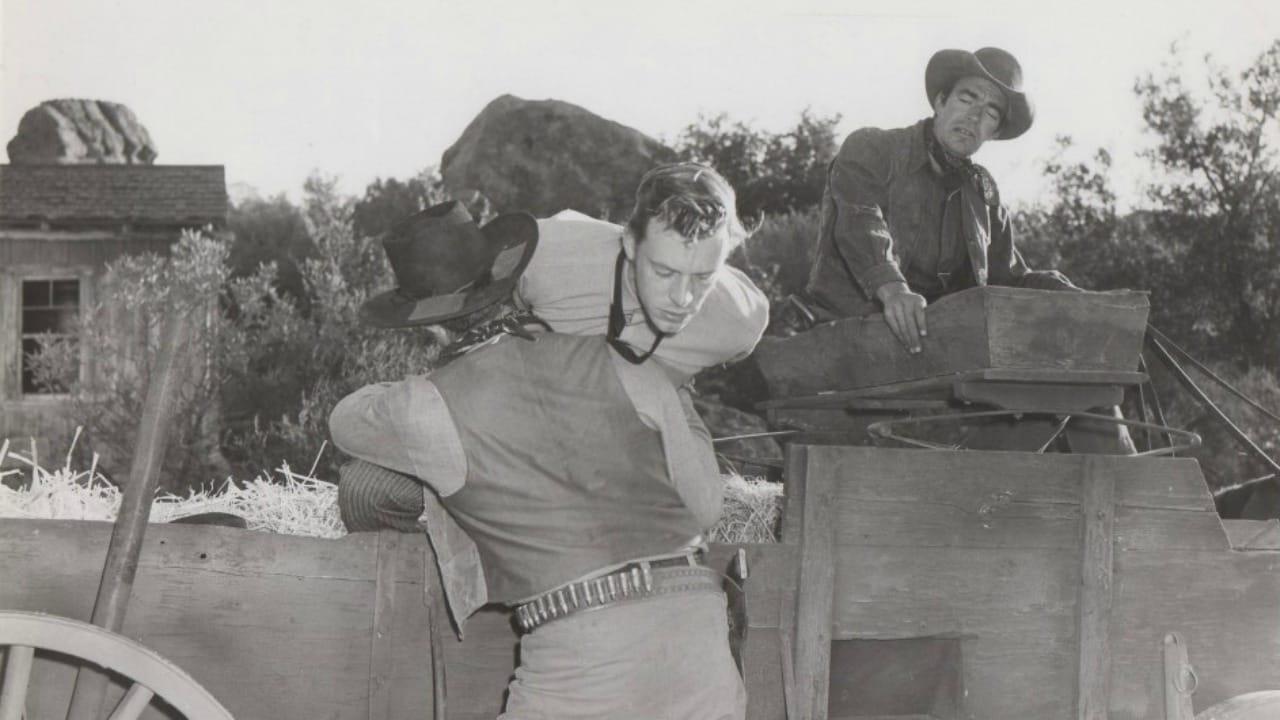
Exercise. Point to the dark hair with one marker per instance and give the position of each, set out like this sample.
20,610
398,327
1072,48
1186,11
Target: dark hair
692,199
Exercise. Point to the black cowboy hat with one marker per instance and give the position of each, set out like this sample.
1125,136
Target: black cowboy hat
446,266
994,64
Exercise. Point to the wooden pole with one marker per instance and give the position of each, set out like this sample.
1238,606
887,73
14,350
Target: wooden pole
135,507
812,664
1093,620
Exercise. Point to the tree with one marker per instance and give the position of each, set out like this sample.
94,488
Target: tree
269,231
1221,194
385,202
772,173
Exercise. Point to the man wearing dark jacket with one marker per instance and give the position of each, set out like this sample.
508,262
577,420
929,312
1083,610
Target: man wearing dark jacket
907,217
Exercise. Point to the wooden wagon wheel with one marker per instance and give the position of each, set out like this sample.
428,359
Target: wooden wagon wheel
1264,705
24,633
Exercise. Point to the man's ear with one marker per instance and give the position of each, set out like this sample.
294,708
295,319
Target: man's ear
938,101
629,244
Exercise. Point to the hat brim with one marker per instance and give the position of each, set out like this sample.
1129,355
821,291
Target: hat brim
516,237
948,66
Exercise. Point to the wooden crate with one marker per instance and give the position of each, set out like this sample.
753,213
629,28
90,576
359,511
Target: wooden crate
1059,575
1000,329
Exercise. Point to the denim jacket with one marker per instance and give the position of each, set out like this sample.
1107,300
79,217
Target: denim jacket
886,217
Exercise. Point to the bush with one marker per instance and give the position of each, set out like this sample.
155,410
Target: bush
777,257
262,374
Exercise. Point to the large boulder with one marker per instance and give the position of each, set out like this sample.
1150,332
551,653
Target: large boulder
543,156
81,132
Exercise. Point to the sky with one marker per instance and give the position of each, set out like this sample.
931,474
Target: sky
277,89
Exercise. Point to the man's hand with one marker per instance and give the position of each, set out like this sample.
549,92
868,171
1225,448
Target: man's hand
904,312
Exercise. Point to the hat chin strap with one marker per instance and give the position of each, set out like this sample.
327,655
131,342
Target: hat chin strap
617,322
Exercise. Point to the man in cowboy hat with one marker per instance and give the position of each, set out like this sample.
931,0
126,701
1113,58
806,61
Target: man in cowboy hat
907,217
551,474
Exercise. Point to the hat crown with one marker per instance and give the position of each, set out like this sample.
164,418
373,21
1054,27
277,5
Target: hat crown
437,250
1002,66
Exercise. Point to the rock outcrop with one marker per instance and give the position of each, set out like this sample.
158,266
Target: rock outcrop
81,132
543,156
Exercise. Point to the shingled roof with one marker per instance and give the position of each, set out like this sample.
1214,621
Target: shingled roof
187,195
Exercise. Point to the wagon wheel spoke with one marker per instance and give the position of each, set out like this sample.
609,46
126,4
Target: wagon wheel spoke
148,674
17,675
133,703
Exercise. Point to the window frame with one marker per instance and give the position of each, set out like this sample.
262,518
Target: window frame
11,285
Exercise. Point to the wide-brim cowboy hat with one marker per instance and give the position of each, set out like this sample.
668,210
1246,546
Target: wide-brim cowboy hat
446,266
994,64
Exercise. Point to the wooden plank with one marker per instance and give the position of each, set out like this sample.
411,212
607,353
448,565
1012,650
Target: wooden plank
1223,603
1094,607
904,592
1039,396
1159,482
259,620
381,635
797,459
1153,529
967,480
816,578
860,352
763,676
1077,331
975,329
990,520
1253,534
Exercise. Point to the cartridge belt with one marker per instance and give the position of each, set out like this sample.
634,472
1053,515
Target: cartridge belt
635,580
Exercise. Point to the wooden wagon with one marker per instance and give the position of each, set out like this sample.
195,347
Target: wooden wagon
908,584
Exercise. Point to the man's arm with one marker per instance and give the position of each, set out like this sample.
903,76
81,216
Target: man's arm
1007,266
858,182
704,488
404,426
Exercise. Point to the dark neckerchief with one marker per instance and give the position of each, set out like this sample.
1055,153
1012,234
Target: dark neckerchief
617,321
957,170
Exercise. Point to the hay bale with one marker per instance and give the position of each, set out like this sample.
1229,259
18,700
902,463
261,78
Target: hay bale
294,503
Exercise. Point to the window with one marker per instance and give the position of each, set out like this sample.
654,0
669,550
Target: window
48,306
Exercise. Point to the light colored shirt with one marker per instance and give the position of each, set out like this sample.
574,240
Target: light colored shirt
569,284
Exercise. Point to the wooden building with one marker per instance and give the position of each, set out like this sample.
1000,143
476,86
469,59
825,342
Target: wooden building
59,227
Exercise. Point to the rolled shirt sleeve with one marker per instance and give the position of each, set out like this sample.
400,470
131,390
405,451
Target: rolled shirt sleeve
404,426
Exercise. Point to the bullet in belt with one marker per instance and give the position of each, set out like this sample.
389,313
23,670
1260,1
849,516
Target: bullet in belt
564,604
623,581
586,592
600,587
573,595
613,587
542,610
635,578
648,577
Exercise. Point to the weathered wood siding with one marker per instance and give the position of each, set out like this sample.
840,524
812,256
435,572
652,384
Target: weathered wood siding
988,547
283,627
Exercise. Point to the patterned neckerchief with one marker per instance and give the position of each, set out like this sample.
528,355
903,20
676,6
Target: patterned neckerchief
957,169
